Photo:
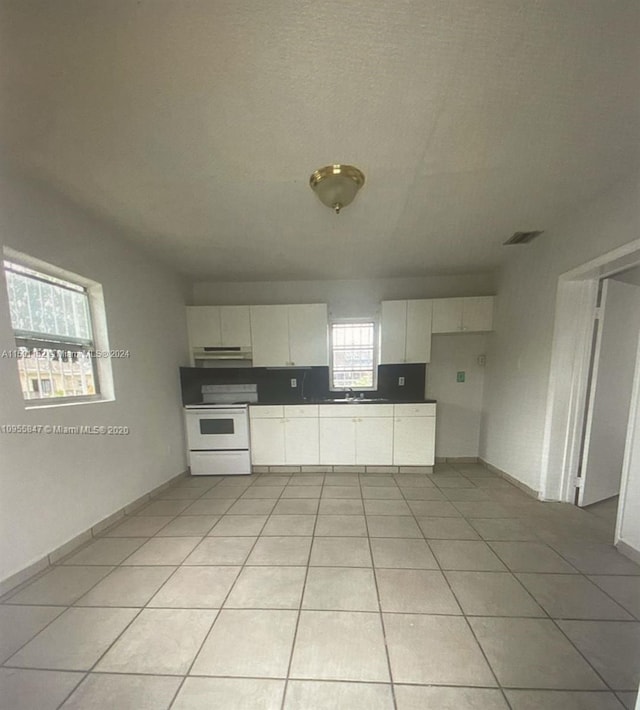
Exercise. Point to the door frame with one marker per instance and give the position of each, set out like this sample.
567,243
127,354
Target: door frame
569,372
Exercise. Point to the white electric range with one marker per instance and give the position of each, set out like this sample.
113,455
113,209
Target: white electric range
218,430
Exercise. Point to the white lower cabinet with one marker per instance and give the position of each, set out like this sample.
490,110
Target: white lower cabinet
356,434
301,435
267,442
284,435
414,435
343,435
337,440
374,441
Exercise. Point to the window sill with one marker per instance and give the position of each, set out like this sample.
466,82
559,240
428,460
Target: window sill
49,404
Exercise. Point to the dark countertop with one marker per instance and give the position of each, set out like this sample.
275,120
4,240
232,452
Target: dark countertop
282,403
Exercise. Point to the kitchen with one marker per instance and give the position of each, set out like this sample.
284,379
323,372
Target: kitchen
222,335
114,174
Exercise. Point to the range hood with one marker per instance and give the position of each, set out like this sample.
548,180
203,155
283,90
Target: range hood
222,352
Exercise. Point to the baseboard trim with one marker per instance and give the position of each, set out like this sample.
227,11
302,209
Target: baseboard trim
508,477
342,469
457,459
19,579
628,551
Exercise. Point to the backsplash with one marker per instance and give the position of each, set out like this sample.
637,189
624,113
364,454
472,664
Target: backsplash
312,383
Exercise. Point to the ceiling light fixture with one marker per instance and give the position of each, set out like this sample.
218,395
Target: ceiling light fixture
337,185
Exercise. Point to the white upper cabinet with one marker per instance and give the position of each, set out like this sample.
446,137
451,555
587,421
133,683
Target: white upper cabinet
393,332
308,334
405,331
447,315
218,326
203,326
418,342
455,315
270,336
235,326
477,313
289,335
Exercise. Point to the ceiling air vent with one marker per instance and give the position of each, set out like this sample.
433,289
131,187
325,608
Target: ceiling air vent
522,237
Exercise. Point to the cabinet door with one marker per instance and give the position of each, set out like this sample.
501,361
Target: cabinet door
308,334
447,315
267,442
302,441
337,440
393,332
235,327
203,326
414,441
477,313
374,440
419,315
270,335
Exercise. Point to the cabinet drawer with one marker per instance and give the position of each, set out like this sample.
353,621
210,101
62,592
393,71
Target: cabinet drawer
353,411
266,412
301,410
415,410
373,410
337,410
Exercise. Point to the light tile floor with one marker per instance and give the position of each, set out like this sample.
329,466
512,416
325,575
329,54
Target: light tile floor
333,592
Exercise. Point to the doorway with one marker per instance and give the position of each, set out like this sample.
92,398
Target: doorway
573,406
615,339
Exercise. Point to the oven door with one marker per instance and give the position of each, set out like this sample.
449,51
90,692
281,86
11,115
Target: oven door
217,429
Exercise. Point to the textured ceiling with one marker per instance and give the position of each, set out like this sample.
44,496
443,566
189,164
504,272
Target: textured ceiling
195,124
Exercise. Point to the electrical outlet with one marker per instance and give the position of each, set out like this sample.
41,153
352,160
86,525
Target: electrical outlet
482,360
400,381
294,382
460,376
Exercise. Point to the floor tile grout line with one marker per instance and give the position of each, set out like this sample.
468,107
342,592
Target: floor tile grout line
57,616
604,591
260,535
140,609
381,616
554,621
466,621
549,618
578,618
219,610
302,595
72,691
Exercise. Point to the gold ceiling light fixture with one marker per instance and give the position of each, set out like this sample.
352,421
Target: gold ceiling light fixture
337,185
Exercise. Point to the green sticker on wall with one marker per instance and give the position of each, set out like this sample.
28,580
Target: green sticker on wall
460,376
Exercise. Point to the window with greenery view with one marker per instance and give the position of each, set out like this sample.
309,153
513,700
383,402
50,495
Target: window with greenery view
51,320
353,355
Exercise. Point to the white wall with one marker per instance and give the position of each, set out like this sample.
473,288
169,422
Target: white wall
459,403
346,298
54,487
520,349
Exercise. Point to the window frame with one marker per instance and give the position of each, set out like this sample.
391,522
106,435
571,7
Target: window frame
355,321
101,367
